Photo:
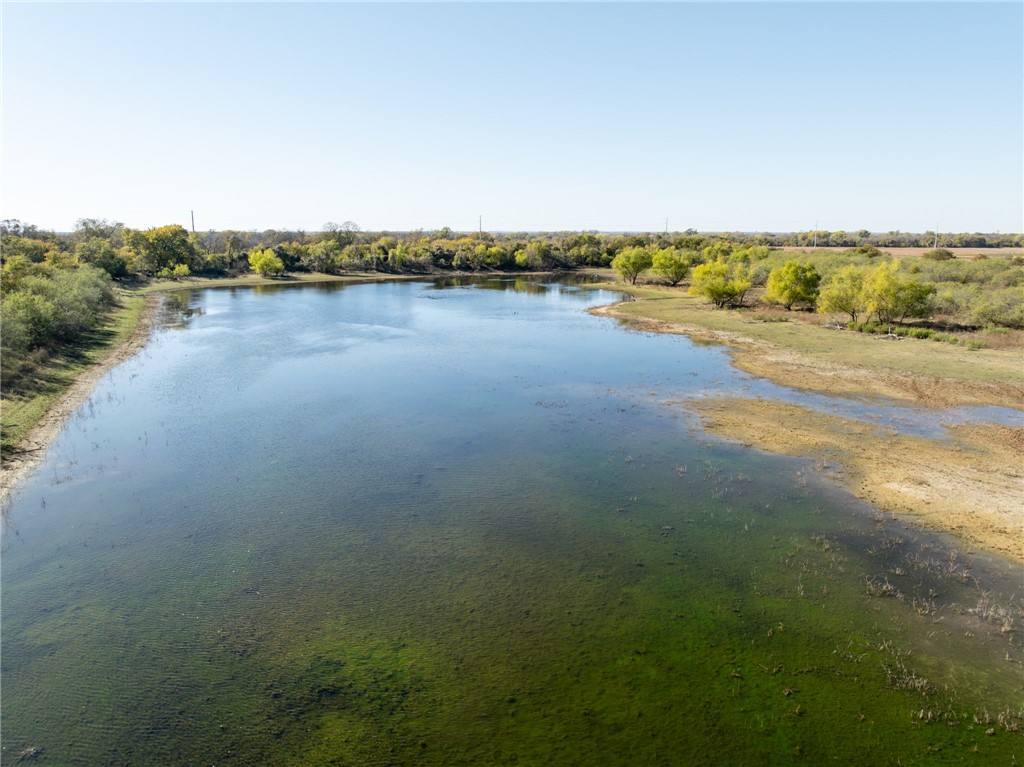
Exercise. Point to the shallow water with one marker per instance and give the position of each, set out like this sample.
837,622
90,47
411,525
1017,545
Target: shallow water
454,523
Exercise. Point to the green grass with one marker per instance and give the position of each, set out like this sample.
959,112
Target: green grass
50,382
825,345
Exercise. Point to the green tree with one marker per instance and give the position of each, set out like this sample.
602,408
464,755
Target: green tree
34,250
101,253
893,296
671,265
716,250
322,256
162,247
844,292
28,321
534,255
631,262
721,283
793,283
265,262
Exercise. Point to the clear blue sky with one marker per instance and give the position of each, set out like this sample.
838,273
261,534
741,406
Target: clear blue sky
537,116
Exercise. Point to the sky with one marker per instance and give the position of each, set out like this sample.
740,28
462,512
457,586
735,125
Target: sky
527,117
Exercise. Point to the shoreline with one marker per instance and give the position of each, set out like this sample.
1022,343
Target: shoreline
969,485
792,369
31,449
993,486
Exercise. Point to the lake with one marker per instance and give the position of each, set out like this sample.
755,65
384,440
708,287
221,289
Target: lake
464,522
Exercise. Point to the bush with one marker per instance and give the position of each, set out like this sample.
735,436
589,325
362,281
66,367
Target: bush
720,283
29,321
629,263
671,265
892,297
49,308
1001,308
844,292
937,254
870,251
265,262
793,283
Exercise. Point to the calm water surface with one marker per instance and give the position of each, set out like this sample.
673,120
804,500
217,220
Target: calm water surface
457,524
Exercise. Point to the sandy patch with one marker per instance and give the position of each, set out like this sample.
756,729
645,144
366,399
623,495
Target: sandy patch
32,448
971,485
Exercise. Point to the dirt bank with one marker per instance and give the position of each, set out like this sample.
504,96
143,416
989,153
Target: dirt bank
970,485
30,450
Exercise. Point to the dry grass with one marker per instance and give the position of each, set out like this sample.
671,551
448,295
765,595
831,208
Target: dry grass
970,485
809,351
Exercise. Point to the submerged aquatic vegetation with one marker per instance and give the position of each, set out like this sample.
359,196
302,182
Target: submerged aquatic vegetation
461,573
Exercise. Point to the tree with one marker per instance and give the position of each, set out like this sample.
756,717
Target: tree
101,253
670,264
28,321
322,256
843,293
265,262
793,283
721,283
162,247
98,228
534,256
630,262
893,296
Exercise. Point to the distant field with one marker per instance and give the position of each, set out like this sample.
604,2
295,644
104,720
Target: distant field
969,253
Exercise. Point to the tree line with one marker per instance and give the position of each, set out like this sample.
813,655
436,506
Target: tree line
860,282
56,287
172,251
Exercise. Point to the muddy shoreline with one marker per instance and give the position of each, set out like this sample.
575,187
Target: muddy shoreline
31,450
970,485
793,370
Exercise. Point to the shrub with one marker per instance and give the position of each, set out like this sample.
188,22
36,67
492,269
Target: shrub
843,293
1003,308
265,262
630,262
29,321
671,265
892,297
937,254
793,283
720,283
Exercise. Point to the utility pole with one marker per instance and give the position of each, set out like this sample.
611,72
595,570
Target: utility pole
666,227
193,221
815,246
480,223
936,236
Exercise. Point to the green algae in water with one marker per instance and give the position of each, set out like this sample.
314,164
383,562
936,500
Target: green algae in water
348,526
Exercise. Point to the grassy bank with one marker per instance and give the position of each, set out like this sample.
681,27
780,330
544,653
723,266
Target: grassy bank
109,343
21,412
800,350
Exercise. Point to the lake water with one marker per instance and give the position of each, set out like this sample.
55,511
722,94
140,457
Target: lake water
456,523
